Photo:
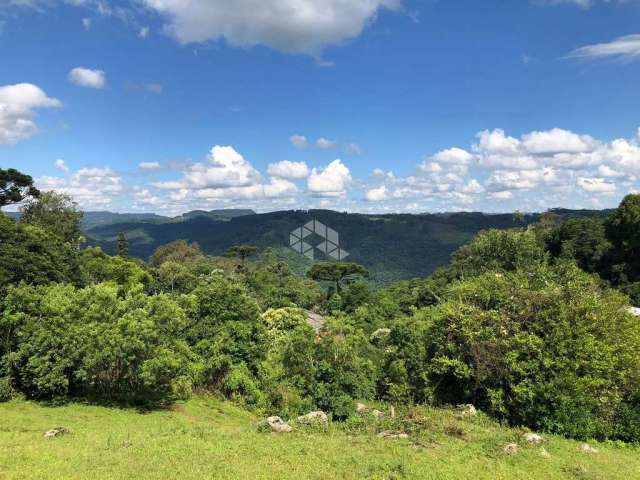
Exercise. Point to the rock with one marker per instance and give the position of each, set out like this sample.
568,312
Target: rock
276,424
377,413
392,411
510,449
56,432
390,434
586,448
361,408
467,410
533,438
314,418
634,311
544,453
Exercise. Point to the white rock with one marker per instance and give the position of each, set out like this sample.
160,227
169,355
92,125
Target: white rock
532,438
314,418
378,414
361,408
634,311
55,432
389,434
467,410
276,424
586,448
510,449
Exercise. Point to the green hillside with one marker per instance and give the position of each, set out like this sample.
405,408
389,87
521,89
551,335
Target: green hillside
207,438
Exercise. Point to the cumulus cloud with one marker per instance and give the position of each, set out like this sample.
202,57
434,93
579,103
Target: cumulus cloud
287,169
149,165
90,187
86,77
61,165
299,141
596,185
332,181
17,111
291,26
377,194
226,175
325,144
456,156
624,48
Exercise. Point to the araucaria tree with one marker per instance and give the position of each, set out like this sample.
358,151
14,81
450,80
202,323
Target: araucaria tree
337,272
15,187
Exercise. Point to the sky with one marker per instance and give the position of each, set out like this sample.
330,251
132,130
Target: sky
374,106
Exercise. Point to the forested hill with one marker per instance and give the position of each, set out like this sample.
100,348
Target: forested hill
392,247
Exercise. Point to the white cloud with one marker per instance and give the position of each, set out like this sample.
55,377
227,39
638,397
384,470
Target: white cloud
144,32
60,164
353,149
86,23
90,187
292,26
333,181
557,140
515,180
625,48
473,187
149,165
287,169
596,185
299,141
503,195
377,194
17,111
325,144
85,77
456,156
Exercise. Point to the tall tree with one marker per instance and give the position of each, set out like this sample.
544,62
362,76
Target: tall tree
123,246
56,213
623,226
337,272
15,187
179,251
242,252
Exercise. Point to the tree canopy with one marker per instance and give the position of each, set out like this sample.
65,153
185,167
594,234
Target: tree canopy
15,187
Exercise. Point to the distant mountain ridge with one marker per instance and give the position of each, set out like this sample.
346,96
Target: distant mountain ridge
391,246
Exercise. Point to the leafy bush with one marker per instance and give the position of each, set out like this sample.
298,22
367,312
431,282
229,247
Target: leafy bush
546,347
62,340
6,389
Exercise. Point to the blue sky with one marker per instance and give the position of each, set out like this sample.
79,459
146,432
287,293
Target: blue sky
359,105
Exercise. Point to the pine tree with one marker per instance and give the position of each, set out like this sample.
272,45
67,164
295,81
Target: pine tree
123,246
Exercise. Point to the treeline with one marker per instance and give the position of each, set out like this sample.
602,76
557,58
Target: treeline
515,324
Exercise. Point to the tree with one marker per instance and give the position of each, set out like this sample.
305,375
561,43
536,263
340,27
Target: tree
123,246
242,252
518,217
57,213
179,251
15,187
623,226
337,272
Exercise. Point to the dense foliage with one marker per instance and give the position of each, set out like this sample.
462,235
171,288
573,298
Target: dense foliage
523,323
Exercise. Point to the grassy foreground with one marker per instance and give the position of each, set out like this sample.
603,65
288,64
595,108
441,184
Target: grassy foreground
209,439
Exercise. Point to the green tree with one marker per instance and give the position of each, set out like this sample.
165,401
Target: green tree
123,246
57,213
623,226
242,252
337,272
15,187
179,251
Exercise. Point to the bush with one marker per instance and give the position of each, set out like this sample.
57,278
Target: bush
6,389
547,348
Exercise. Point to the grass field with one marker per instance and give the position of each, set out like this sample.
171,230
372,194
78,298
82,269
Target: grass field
209,439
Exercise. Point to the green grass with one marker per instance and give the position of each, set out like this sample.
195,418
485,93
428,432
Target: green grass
209,439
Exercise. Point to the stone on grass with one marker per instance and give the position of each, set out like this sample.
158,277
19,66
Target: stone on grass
390,434
377,413
510,449
467,410
544,453
586,448
533,438
361,408
56,432
314,418
275,424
